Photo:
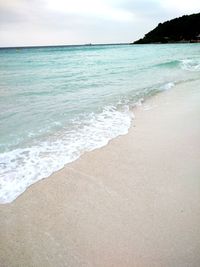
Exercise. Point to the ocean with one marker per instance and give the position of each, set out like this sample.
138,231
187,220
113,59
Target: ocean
56,103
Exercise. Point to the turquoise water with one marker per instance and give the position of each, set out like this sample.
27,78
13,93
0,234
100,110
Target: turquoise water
58,102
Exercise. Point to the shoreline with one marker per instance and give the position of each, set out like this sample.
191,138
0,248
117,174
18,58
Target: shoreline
133,202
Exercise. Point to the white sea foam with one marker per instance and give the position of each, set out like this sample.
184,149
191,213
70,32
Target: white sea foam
22,167
167,86
190,64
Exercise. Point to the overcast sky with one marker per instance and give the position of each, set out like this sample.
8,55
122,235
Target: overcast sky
54,22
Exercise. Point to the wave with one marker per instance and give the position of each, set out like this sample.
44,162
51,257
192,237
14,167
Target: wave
22,167
185,64
190,64
167,86
168,64
150,91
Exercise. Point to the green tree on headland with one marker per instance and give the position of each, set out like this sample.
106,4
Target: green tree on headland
182,29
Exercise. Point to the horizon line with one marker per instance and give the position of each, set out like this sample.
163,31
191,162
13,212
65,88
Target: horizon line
61,45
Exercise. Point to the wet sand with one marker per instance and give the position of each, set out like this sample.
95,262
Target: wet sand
135,202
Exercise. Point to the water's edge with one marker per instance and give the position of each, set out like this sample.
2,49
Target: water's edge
141,102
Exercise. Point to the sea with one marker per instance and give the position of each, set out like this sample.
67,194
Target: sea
56,103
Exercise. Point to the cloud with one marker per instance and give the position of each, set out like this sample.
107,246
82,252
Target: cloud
182,6
93,8
43,22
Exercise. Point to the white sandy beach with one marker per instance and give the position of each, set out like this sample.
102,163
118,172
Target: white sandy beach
135,202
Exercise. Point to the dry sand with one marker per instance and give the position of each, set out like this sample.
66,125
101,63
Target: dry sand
135,202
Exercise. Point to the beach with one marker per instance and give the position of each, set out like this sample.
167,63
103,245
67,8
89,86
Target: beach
134,202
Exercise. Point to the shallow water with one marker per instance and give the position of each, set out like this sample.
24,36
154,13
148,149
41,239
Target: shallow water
58,102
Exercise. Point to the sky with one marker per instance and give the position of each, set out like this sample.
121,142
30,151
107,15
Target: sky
60,22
